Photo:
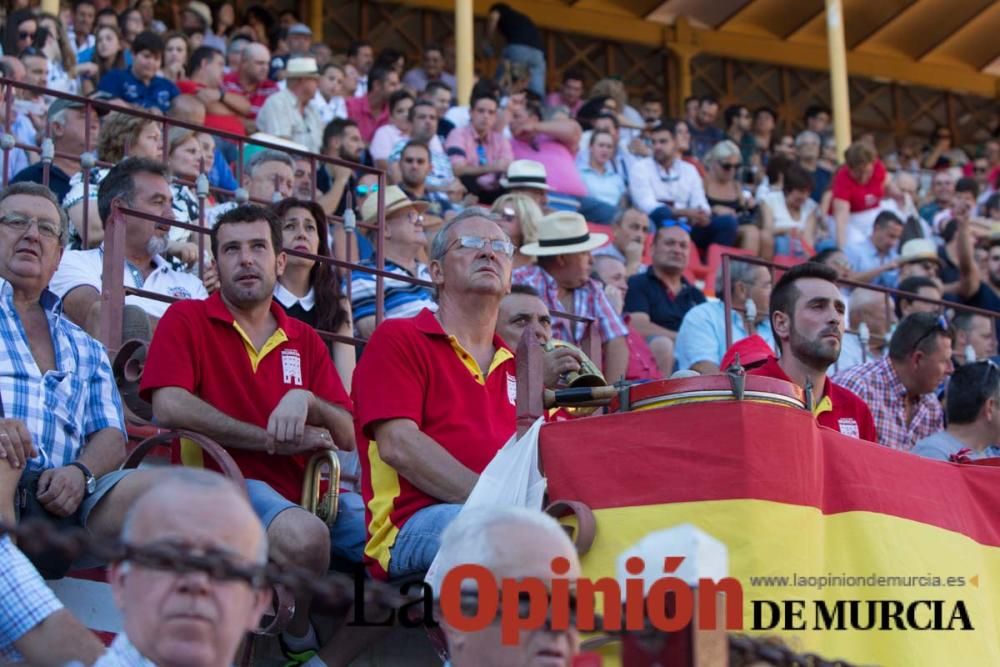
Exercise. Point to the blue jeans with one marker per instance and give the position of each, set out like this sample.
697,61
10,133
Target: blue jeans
591,208
419,539
720,230
530,56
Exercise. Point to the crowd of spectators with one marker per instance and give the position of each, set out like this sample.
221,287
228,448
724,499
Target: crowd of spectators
513,207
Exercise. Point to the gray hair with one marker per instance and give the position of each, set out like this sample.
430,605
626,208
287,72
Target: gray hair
179,480
739,272
470,540
807,135
861,302
38,190
440,244
268,155
721,151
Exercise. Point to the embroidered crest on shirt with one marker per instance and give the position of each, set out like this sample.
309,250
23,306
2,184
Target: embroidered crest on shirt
511,389
848,426
291,367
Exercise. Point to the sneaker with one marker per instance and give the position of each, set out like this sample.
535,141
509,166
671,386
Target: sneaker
295,658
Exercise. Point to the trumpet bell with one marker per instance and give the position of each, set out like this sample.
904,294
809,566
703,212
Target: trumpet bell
322,465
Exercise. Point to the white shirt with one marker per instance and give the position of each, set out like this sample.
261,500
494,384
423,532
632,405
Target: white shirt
783,220
122,653
281,117
288,300
80,268
678,187
335,107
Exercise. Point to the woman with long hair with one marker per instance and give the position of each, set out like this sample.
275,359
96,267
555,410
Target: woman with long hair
20,31
309,290
730,204
176,52
130,23
184,157
60,54
108,53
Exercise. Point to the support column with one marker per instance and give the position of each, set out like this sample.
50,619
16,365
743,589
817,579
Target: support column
684,81
316,19
682,42
464,49
839,92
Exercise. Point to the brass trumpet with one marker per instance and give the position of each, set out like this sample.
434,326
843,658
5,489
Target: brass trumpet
589,374
322,505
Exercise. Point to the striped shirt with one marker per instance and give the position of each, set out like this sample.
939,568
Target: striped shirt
402,299
27,601
62,407
878,385
588,301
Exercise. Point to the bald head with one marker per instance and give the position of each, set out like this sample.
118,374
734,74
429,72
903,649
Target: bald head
254,63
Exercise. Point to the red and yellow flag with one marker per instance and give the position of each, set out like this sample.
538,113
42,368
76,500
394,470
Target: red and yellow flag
872,535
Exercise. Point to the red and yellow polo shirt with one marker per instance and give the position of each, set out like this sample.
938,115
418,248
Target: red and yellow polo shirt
412,369
199,347
838,408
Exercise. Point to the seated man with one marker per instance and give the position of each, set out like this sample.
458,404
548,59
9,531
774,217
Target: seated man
875,259
900,389
629,230
929,288
423,124
869,317
807,318
63,427
974,338
646,361
174,513
701,338
224,109
140,85
436,399
236,368
971,403
512,543
562,277
141,184
404,242
268,176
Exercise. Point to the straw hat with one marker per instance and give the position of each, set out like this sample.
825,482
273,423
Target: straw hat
395,201
918,250
525,174
301,68
201,10
563,233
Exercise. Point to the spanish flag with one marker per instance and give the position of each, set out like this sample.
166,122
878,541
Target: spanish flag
892,559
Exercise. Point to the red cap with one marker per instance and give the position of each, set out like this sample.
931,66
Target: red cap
753,351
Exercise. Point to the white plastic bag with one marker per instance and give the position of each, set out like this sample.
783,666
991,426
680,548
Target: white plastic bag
511,479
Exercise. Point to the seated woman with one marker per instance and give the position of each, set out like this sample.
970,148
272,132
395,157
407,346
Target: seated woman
790,215
519,215
309,290
728,199
121,135
400,103
108,53
186,162
603,181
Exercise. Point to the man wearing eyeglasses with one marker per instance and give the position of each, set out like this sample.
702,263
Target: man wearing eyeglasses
435,397
900,389
61,420
404,243
972,404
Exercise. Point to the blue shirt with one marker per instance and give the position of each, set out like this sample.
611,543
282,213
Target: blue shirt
122,84
607,187
402,299
647,294
702,336
27,600
62,407
866,257
942,445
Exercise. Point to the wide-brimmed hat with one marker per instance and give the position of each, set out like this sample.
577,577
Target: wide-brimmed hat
201,10
525,174
395,200
300,68
563,233
300,29
919,250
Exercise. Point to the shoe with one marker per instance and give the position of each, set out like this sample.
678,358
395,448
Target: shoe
294,658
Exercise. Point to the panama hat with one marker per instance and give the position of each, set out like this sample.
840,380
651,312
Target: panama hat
395,201
201,10
525,174
563,233
919,250
300,68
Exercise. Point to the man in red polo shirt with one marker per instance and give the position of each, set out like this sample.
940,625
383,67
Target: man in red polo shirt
372,111
435,397
807,317
237,369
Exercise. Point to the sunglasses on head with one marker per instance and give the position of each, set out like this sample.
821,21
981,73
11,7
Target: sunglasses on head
364,190
666,224
940,325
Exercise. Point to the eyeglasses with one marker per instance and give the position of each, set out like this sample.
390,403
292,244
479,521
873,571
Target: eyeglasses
499,246
674,223
363,190
21,224
940,325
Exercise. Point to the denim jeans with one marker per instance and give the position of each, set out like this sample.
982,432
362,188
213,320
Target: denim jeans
419,539
591,208
530,56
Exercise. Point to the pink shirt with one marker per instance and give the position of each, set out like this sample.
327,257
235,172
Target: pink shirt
360,112
561,174
555,100
464,147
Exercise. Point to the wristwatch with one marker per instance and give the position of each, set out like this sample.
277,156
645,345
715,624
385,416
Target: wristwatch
88,478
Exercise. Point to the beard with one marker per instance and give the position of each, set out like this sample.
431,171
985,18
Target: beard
817,354
156,245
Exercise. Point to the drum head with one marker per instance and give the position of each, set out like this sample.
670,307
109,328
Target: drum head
667,393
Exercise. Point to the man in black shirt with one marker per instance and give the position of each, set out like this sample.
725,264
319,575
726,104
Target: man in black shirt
524,44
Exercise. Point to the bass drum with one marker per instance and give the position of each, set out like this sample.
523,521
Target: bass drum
704,388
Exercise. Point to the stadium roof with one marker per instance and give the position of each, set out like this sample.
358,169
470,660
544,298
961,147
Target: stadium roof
938,43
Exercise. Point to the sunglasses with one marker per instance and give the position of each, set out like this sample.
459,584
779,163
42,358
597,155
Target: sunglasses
940,325
728,166
364,190
666,224
25,35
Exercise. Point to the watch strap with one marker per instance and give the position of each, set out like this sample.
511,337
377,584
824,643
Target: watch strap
88,477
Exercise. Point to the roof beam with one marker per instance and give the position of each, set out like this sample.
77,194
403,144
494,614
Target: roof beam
893,20
791,34
973,25
891,16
